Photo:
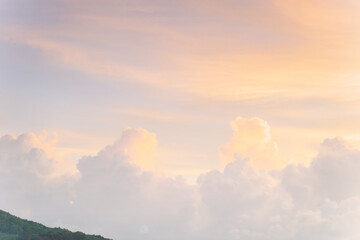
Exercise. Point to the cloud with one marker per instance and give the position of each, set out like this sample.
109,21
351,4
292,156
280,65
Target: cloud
305,40
136,145
31,181
252,139
25,153
117,196
241,202
136,202
297,202
333,174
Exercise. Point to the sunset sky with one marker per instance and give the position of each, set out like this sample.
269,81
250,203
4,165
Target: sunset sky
159,119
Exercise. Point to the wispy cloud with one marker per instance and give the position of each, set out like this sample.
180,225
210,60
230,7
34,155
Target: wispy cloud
255,50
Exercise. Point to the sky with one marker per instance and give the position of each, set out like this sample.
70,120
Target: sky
231,119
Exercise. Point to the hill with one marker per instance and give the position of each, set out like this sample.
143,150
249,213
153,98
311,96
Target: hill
15,228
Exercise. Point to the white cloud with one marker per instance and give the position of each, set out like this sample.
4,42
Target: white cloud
252,139
113,187
30,180
118,198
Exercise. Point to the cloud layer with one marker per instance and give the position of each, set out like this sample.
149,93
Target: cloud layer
115,193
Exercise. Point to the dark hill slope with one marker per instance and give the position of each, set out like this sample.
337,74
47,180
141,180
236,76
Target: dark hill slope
14,228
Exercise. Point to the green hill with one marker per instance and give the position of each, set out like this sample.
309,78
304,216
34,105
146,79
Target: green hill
14,228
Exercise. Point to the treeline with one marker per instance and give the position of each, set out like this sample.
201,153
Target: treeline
15,228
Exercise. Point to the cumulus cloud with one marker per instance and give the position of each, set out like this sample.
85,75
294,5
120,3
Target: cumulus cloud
242,203
333,174
115,195
25,153
134,201
29,177
252,139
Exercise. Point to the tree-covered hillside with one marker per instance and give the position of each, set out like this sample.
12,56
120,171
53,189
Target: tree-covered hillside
14,228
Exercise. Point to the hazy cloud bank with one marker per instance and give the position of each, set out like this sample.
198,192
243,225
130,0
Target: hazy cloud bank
113,194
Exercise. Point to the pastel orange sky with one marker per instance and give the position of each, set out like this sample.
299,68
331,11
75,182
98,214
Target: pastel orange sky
191,66
180,87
